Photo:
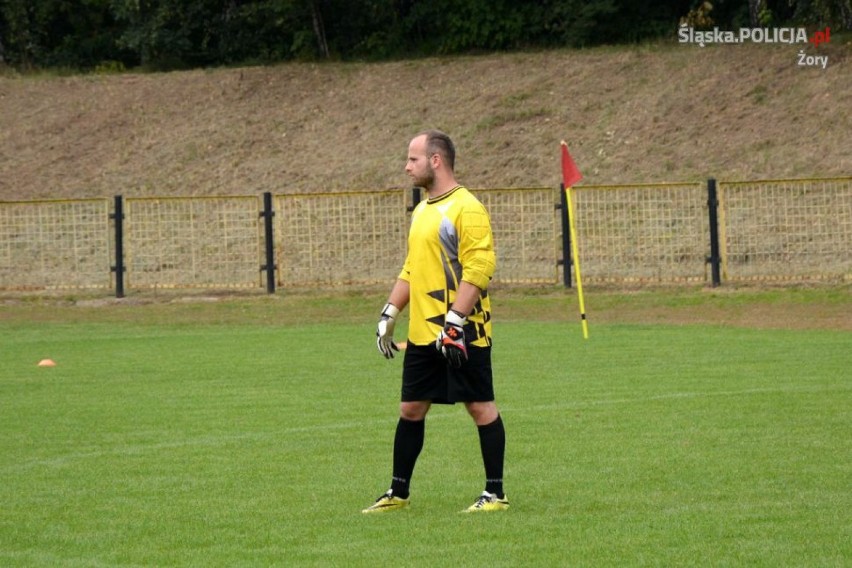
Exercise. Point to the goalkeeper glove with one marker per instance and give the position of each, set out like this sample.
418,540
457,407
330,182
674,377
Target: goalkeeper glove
450,341
384,331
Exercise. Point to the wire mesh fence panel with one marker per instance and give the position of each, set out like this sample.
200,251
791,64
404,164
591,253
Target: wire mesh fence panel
55,244
524,222
340,238
205,242
653,233
769,230
787,229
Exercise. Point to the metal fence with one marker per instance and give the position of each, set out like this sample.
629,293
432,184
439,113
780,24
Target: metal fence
786,229
192,242
339,238
55,244
791,230
642,233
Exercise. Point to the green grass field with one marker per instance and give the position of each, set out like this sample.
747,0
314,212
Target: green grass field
201,435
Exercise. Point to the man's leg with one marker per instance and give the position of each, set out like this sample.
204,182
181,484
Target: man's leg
492,442
407,444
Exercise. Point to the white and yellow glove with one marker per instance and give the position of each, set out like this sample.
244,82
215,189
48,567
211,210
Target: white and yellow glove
384,331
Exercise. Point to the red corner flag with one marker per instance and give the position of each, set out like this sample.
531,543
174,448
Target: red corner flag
570,173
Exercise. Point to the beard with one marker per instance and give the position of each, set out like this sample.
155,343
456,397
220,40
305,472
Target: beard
426,180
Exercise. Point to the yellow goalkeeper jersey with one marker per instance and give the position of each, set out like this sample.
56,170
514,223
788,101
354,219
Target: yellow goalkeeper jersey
450,240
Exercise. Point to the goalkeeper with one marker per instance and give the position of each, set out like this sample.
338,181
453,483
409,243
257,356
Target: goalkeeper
445,276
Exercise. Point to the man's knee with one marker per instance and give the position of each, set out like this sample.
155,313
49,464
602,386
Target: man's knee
414,411
482,412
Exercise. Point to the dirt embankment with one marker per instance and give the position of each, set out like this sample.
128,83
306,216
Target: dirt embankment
640,114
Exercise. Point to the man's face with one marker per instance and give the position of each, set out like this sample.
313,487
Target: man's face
419,164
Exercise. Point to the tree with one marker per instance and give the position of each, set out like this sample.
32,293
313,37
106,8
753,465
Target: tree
18,33
57,33
834,13
319,28
163,34
734,14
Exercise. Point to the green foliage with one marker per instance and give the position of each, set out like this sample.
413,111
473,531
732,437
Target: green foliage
57,33
166,33
162,34
110,67
835,13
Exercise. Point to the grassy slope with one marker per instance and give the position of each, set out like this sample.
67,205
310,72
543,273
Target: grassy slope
649,113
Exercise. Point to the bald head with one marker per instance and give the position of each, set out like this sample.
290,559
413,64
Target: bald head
439,143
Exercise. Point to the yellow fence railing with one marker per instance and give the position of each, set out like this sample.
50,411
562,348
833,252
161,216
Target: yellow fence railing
794,230
642,232
55,244
193,242
786,229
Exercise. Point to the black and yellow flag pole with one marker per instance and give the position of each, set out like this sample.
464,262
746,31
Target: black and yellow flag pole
571,175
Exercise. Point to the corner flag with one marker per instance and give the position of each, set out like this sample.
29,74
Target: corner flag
571,175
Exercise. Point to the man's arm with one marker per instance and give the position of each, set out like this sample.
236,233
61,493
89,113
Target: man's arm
401,294
466,297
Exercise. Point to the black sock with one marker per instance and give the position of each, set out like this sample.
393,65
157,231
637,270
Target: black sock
406,448
492,441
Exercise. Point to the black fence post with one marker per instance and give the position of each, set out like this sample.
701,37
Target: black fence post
415,198
269,244
715,258
118,268
566,260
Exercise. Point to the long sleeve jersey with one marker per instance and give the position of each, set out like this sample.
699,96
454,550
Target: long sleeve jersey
450,240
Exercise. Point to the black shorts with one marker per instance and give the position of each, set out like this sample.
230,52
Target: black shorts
426,375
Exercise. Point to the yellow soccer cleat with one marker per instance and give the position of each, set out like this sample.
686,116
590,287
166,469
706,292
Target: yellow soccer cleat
386,502
488,502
